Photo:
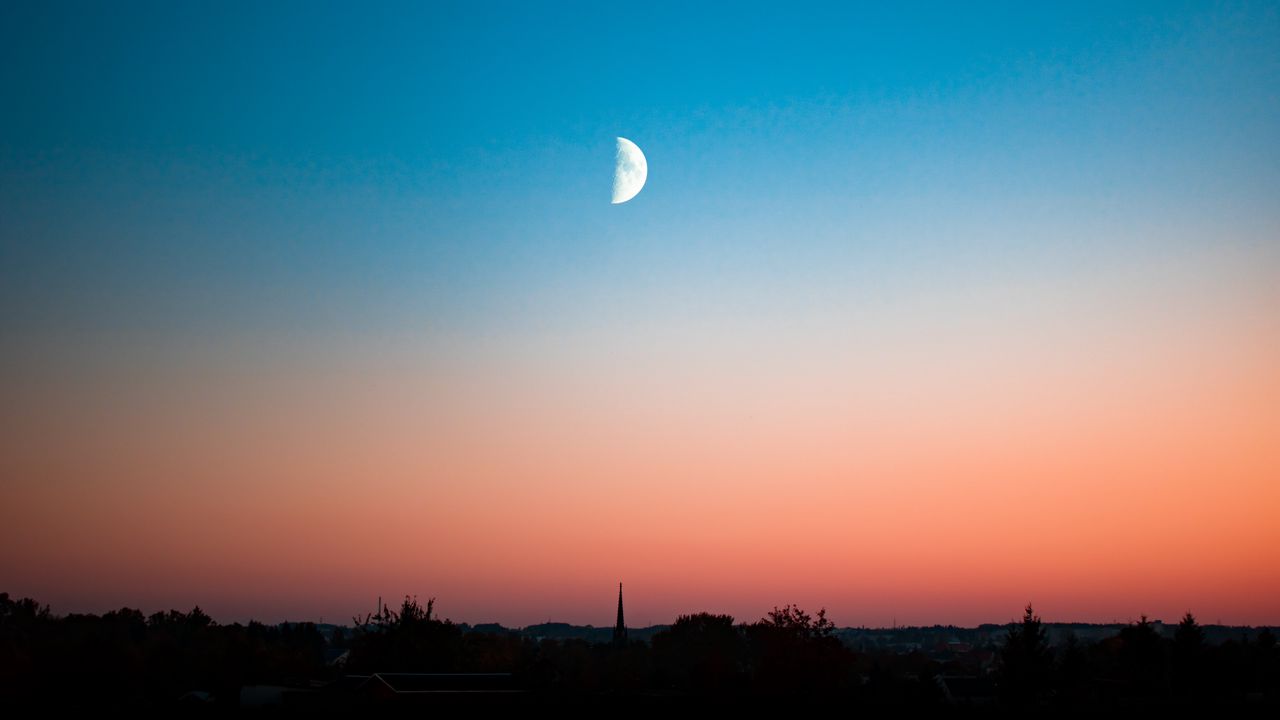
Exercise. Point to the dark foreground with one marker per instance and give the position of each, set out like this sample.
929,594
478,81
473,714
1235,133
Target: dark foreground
410,659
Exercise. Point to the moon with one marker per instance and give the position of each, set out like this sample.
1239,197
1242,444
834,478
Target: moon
630,172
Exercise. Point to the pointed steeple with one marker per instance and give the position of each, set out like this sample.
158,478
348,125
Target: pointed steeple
620,630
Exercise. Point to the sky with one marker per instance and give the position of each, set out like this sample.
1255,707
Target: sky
925,312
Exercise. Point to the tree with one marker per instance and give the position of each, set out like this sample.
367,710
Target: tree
1026,662
26,610
1188,657
411,640
703,652
792,651
1189,637
794,620
1142,659
412,613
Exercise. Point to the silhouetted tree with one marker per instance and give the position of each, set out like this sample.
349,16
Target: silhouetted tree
1142,660
701,652
791,651
794,620
1026,662
410,640
1188,657
1189,636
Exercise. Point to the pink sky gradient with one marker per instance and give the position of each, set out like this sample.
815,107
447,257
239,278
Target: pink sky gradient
1103,443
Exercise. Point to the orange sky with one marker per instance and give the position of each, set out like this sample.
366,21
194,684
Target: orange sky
1102,442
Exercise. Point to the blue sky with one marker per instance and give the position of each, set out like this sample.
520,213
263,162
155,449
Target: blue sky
225,162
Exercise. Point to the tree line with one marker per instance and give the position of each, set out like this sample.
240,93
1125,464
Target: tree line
123,659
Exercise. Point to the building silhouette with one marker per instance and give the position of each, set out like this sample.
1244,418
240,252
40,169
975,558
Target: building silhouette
620,629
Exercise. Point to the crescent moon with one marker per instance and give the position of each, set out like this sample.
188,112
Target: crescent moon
630,172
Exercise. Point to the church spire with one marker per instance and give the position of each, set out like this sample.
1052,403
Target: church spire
620,630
